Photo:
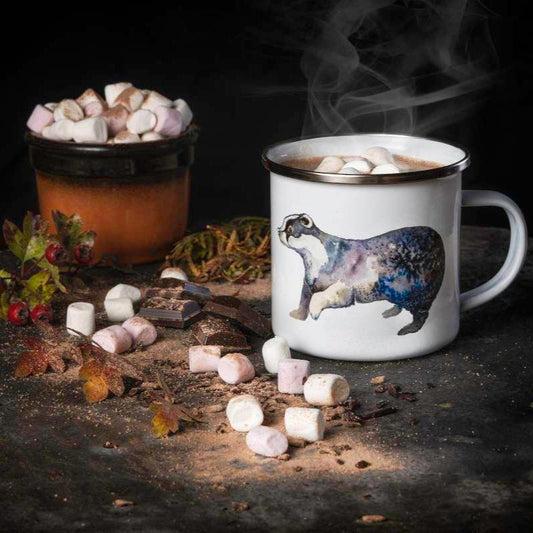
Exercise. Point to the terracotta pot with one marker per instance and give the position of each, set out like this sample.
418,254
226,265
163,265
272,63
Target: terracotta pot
134,196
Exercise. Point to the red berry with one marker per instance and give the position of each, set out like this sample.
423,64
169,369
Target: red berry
55,254
83,253
18,313
41,313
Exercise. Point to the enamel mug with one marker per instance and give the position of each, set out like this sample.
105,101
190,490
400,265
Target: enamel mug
366,267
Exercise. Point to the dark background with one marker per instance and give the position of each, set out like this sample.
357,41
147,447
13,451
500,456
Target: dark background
221,59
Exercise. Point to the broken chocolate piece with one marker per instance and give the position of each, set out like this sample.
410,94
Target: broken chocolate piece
170,313
178,289
240,313
379,412
218,332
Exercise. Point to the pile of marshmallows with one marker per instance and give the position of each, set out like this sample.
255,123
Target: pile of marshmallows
244,412
127,115
375,160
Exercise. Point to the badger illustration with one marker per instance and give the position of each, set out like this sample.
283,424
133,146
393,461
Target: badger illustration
404,266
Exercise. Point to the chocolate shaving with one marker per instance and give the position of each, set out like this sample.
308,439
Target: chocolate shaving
178,289
378,413
214,331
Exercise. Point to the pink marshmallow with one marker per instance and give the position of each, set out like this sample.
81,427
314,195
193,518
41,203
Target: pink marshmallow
267,441
94,109
292,374
169,121
235,368
204,358
39,119
116,118
114,339
142,331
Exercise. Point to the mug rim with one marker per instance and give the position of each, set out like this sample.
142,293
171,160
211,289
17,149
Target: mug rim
365,179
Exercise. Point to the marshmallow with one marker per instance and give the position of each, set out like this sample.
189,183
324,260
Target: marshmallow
330,164
204,358
125,136
80,318
169,121
90,96
378,155
267,441
124,291
142,331
274,350
326,389
186,113
304,423
112,90
155,100
118,309
94,109
244,412
174,272
235,368
292,374
39,119
46,132
68,109
116,118
151,136
62,130
92,129
114,339
141,121
357,165
131,98
51,106
386,169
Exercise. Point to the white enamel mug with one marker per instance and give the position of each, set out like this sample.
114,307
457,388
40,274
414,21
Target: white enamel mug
366,267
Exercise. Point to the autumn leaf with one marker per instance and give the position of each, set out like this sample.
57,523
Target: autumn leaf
166,420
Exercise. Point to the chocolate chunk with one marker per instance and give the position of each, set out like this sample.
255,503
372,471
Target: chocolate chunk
170,313
240,313
218,332
178,289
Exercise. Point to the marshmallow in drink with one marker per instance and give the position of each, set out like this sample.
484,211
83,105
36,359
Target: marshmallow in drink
142,331
125,137
235,368
204,358
267,441
292,374
151,136
122,290
305,423
80,318
116,118
331,164
357,165
89,130
174,272
68,109
326,389
169,121
51,106
155,100
186,113
131,98
244,412
389,168
62,130
90,96
112,90
118,309
275,350
378,155
39,119
94,109
141,121
114,339
46,132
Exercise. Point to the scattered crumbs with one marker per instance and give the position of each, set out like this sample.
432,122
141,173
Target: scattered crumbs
378,380
362,464
373,518
123,503
446,405
240,506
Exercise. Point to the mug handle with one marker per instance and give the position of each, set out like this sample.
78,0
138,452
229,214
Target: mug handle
517,247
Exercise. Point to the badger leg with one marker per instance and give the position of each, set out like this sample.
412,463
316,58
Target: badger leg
419,318
303,309
335,296
393,311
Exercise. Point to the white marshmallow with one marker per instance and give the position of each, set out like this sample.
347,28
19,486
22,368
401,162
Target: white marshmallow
51,106
154,100
131,98
174,272
88,97
305,423
112,90
92,129
326,389
68,109
114,339
244,412
267,441
386,169
235,368
62,130
275,350
118,309
124,137
142,331
186,112
122,290
94,109
378,155
141,121
46,132
204,358
330,164
151,136
80,317
359,164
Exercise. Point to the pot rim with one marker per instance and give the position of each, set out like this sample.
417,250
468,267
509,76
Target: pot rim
365,179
